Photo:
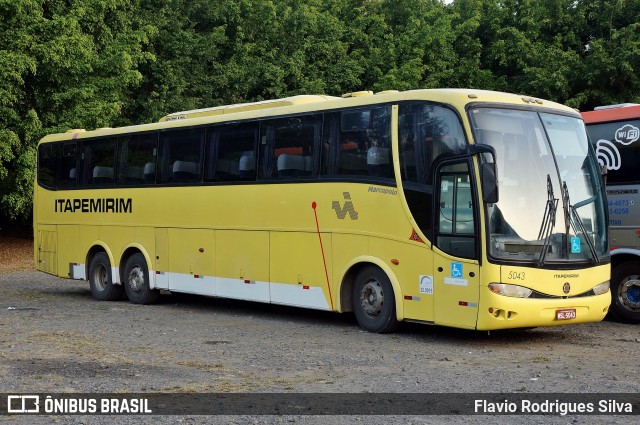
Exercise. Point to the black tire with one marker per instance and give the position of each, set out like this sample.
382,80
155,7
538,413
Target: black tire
136,281
625,292
100,282
374,302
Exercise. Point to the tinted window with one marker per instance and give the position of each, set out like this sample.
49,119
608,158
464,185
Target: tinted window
137,159
358,143
288,147
48,164
181,155
231,152
68,170
98,162
426,132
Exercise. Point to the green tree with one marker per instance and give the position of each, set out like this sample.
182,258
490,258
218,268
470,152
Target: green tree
421,53
611,58
19,124
93,63
476,24
65,64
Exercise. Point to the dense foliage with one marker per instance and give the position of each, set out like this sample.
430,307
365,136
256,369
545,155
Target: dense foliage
92,63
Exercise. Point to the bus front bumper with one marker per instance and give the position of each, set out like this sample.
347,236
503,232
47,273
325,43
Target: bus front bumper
501,312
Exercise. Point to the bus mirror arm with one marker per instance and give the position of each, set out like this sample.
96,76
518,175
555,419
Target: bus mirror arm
603,172
488,173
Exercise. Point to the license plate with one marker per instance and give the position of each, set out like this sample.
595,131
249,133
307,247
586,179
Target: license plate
566,314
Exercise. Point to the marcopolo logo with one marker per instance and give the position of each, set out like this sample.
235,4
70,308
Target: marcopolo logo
347,208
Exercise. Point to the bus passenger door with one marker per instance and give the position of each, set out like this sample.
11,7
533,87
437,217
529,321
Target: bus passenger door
456,274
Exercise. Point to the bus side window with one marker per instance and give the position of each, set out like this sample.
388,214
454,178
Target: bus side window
230,152
357,142
98,159
352,142
137,159
68,166
182,155
330,144
288,148
426,132
48,164
378,137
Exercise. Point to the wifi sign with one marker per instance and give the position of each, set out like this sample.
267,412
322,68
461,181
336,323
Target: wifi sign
627,134
608,154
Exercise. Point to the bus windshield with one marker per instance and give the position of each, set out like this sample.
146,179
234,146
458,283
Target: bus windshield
550,206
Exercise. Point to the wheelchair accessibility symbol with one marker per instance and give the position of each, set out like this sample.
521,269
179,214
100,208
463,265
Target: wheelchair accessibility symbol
575,245
456,269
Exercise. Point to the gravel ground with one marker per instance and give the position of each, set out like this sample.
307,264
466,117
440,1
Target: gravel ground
55,338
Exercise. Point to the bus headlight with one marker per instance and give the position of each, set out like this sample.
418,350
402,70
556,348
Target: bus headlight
602,288
510,290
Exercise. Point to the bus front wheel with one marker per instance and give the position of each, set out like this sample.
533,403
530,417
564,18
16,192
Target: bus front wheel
136,281
625,292
373,301
102,288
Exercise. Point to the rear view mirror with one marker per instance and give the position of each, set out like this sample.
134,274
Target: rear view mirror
488,172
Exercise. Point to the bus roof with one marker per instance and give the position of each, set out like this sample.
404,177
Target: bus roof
310,103
613,113
242,107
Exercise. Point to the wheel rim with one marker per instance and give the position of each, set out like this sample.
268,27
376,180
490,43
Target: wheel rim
372,298
101,278
629,293
136,279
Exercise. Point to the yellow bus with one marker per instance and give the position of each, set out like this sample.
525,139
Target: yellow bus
463,208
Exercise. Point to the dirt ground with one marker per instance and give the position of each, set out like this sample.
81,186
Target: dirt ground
16,253
55,338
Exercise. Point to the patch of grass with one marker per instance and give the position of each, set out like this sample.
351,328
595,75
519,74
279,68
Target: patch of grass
29,295
541,359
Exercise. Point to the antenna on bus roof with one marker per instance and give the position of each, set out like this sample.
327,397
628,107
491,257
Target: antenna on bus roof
358,93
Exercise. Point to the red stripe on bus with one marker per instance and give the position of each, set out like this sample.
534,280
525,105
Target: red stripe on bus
324,260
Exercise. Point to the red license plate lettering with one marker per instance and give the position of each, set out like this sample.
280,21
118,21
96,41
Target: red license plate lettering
566,314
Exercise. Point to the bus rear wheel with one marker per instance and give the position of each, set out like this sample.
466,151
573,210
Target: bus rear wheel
373,301
625,292
102,288
136,281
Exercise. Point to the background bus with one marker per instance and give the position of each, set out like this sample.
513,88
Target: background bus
614,131
386,205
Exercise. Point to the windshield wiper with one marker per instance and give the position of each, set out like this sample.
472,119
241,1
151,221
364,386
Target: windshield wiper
548,221
576,221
